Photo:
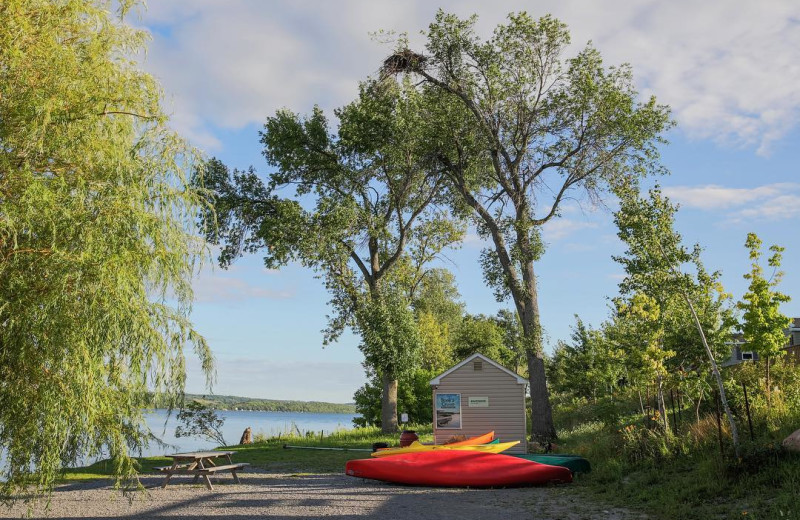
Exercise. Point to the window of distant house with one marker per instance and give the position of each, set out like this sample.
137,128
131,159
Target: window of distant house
747,356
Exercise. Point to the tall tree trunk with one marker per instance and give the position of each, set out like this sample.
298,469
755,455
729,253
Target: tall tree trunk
389,405
542,428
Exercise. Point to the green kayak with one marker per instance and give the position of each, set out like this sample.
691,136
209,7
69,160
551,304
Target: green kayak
574,463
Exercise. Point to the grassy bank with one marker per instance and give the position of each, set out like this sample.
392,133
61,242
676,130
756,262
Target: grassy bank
686,476
269,454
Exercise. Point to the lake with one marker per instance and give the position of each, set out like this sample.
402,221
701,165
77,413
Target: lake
269,423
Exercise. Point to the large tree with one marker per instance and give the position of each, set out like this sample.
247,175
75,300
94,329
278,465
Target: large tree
520,130
97,243
358,207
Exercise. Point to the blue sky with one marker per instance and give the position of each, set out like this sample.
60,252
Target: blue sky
728,70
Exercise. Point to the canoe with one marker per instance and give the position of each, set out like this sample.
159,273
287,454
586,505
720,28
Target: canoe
480,439
417,447
457,468
574,463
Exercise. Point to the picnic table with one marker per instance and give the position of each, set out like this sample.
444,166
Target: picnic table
201,464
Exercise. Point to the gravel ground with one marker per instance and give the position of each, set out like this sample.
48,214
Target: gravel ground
266,495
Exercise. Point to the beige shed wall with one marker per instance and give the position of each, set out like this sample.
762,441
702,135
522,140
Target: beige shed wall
505,413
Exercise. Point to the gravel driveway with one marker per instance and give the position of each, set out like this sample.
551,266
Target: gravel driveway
266,495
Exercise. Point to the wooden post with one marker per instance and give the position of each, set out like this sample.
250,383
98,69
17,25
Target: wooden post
747,409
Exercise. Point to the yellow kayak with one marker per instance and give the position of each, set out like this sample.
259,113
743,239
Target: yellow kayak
416,447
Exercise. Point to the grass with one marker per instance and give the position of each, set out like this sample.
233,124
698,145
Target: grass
269,454
691,479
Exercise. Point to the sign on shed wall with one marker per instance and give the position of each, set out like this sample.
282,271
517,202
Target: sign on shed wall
478,402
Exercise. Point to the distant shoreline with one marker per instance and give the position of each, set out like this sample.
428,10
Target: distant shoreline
229,402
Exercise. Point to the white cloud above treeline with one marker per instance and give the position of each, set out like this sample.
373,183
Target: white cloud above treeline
727,68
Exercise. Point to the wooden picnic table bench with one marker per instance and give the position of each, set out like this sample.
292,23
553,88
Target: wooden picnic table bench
200,464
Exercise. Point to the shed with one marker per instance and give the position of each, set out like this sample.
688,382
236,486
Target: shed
476,396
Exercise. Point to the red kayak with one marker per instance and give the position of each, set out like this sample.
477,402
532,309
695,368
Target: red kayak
453,468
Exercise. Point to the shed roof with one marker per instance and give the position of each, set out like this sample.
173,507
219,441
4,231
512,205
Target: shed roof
438,379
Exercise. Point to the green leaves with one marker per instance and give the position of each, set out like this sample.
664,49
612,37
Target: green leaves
762,322
97,242
390,338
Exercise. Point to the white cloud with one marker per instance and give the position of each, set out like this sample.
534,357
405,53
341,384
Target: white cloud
562,227
714,196
778,208
728,68
768,202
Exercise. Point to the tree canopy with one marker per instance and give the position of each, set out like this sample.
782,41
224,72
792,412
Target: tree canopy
363,207
520,129
97,241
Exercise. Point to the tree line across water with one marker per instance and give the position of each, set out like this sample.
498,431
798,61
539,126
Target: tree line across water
229,402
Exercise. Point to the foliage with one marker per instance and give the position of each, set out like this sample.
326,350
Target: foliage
763,323
198,420
684,476
97,248
414,397
589,368
390,339
660,303
438,309
478,334
518,128
364,212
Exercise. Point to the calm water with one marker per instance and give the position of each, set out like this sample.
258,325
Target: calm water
269,423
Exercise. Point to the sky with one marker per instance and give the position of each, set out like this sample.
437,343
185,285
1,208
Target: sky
728,69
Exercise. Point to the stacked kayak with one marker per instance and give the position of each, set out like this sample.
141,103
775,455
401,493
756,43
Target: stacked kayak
457,468
574,463
486,438
417,447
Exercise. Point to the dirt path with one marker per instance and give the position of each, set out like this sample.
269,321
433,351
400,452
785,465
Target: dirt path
274,496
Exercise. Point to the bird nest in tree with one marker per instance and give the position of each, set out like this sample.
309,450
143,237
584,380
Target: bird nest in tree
403,61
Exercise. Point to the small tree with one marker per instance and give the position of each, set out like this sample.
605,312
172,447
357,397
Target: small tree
198,420
763,323
653,263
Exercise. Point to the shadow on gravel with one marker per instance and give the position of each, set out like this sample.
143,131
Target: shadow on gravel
281,497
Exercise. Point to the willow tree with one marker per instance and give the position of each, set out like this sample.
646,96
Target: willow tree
354,206
521,130
97,247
